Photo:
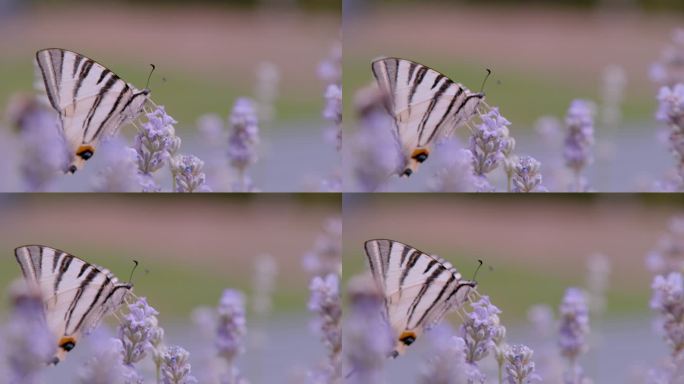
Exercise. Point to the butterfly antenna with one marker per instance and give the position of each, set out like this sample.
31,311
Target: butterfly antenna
477,269
489,72
147,86
130,278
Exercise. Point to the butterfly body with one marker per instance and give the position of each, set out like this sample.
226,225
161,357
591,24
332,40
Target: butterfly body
425,104
76,295
419,289
92,101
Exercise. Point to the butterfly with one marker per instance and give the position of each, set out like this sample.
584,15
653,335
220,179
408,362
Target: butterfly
419,289
425,104
92,101
76,295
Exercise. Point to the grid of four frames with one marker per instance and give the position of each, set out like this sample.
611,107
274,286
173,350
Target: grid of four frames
342,237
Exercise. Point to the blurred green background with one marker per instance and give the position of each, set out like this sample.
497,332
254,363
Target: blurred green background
189,248
542,54
206,52
536,246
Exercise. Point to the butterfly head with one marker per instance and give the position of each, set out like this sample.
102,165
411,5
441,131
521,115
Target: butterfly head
83,153
404,340
416,157
64,346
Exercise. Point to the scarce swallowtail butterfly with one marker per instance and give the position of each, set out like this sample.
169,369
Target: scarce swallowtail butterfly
92,101
76,295
425,104
419,289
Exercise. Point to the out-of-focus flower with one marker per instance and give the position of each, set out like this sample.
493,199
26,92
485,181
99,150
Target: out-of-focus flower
105,365
367,336
120,172
447,364
579,139
330,69
456,173
175,368
599,268
612,93
31,344
671,105
669,69
574,324
44,154
231,328
580,135
326,255
519,366
325,303
549,365
333,113
266,92
265,273
243,141
668,254
668,301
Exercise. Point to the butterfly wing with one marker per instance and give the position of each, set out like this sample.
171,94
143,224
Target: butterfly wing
425,104
419,288
76,294
92,101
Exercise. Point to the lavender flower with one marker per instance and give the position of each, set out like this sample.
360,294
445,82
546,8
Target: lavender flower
265,274
668,254
447,364
668,301
137,330
105,366
375,154
326,304
326,255
574,329
32,345
43,149
155,143
598,267
549,364
579,140
333,112
669,69
671,105
120,172
671,111
367,337
330,69
612,95
478,331
457,173
187,174
231,330
266,92
214,137
526,176
519,365
175,368
243,140
488,142
373,148
574,324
